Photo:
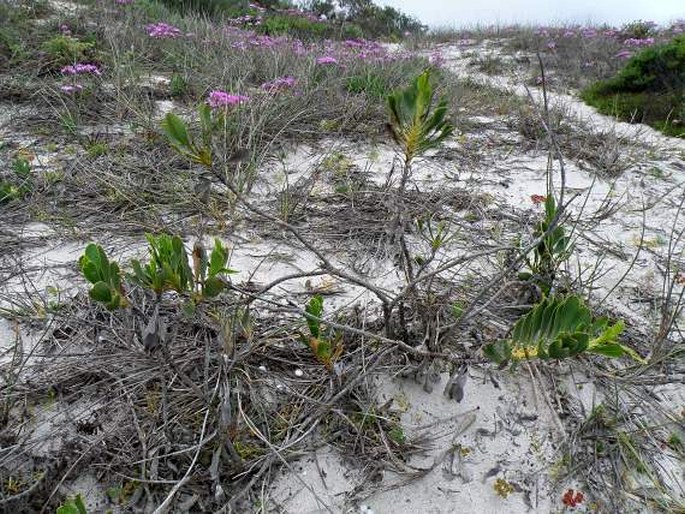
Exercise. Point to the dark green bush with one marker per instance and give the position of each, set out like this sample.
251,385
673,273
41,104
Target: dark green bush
649,89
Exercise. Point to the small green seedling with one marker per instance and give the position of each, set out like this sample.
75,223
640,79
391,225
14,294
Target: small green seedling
180,139
209,273
558,328
19,184
169,269
548,255
327,352
105,277
416,123
74,505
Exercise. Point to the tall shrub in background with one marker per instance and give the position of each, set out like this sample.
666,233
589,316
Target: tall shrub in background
649,89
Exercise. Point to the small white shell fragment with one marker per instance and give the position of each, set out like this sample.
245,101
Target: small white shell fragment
262,368
299,373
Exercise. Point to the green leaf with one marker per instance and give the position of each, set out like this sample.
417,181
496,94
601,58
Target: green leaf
609,350
73,506
101,292
560,327
218,259
90,270
498,352
315,308
175,130
213,286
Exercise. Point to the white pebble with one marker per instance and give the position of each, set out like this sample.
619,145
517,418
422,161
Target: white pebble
262,368
299,373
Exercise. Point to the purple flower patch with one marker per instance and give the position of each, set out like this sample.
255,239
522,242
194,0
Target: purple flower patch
218,99
162,30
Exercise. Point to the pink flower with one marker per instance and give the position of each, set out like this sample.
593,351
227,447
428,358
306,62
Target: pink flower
551,45
436,59
70,89
635,42
218,99
162,30
81,68
279,84
326,60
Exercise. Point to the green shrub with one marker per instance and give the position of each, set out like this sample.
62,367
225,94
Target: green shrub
19,184
301,27
649,89
296,26
371,84
67,50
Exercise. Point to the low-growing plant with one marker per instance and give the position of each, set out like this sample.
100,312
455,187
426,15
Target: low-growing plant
417,125
105,276
20,182
326,350
551,252
178,86
197,150
168,269
370,84
65,50
558,328
74,505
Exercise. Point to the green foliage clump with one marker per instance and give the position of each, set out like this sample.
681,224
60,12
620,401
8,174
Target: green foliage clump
373,20
168,269
63,49
371,84
649,89
639,29
557,328
552,250
74,505
19,184
416,123
105,277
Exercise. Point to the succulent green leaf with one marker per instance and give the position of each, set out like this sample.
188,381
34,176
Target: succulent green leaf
73,506
558,328
218,259
213,286
498,352
101,292
175,130
315,308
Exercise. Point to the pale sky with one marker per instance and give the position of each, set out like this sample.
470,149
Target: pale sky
457,13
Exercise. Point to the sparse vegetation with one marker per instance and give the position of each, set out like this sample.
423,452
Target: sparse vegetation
384,218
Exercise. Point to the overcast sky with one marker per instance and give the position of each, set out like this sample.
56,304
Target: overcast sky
470,12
